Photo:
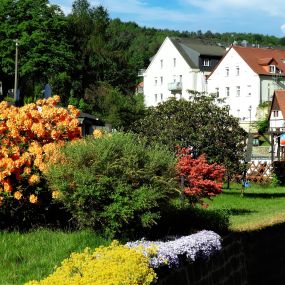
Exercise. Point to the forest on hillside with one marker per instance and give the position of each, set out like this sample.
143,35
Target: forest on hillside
89,59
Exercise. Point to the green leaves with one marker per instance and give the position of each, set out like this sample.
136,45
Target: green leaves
200,123
115,183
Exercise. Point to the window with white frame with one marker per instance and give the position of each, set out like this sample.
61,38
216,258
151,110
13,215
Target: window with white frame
228,91
218,91
238,91
206,62
248,90
272,68
161,63
161,97
180,78
275,114
237,70
174,62
161,80
155,81
155,98
227,71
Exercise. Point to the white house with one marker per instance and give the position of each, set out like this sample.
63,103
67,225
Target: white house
246,77
179,65
277,124
277,112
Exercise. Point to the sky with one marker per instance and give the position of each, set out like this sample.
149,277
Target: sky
245,16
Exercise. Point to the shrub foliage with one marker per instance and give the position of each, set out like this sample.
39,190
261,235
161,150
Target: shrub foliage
201,179
115,182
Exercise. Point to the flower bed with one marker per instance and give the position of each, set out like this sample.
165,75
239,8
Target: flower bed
133,263
200,245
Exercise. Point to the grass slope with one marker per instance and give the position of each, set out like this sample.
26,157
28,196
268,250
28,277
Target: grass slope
30,256
259,207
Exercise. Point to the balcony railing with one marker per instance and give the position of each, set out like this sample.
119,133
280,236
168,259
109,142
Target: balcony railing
175,86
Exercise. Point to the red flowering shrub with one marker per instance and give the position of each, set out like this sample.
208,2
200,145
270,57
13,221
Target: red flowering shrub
200,179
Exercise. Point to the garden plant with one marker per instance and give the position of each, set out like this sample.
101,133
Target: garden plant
29,136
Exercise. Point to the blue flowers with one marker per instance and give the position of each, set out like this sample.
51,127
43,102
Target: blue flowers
200,245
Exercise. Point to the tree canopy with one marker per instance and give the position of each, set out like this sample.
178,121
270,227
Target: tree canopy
44,53
200,123
75,52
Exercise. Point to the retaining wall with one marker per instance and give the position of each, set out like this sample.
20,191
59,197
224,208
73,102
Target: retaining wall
246,259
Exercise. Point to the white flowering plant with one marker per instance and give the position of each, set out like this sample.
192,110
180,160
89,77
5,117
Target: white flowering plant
170,253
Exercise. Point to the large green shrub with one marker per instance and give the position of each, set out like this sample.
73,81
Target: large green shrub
114,183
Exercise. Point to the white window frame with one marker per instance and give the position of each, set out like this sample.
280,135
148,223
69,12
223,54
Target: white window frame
272,68
227,70
174,62
248,90
238,91
161,63
275,113
227,91
237,71
217,91
206,62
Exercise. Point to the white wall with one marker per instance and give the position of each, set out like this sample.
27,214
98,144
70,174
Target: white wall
276,121
155,90
247,80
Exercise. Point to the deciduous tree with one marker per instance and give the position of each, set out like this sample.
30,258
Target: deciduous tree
199,122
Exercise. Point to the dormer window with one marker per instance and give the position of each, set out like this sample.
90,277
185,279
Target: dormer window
272,68
275,114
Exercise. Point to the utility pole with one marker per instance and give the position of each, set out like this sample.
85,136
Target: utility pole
16,71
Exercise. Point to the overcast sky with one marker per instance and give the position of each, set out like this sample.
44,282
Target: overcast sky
247,16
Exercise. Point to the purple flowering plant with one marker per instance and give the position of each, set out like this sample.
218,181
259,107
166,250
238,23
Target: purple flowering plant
199,245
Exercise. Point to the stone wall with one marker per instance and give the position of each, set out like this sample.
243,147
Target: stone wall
246,258
226,267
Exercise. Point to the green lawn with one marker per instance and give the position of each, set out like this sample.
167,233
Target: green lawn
34,255
29,256
258,208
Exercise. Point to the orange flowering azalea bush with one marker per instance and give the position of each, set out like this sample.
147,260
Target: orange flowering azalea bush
29,138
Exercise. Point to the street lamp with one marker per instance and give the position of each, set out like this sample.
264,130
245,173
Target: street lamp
16,71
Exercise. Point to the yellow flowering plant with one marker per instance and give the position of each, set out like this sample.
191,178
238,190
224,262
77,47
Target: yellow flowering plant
112,265
30,137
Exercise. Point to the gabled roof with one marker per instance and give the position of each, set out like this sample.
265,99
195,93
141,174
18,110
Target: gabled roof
278,100
185,46
257,58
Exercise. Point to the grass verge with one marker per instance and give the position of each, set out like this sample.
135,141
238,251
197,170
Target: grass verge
259,207
30,256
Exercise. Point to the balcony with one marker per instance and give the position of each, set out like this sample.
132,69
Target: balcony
175,87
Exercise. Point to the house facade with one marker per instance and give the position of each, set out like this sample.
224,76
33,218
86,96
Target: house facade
246,78
277,112
178,66
277,125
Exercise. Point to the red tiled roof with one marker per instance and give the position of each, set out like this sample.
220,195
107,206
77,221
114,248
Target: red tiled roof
258,58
